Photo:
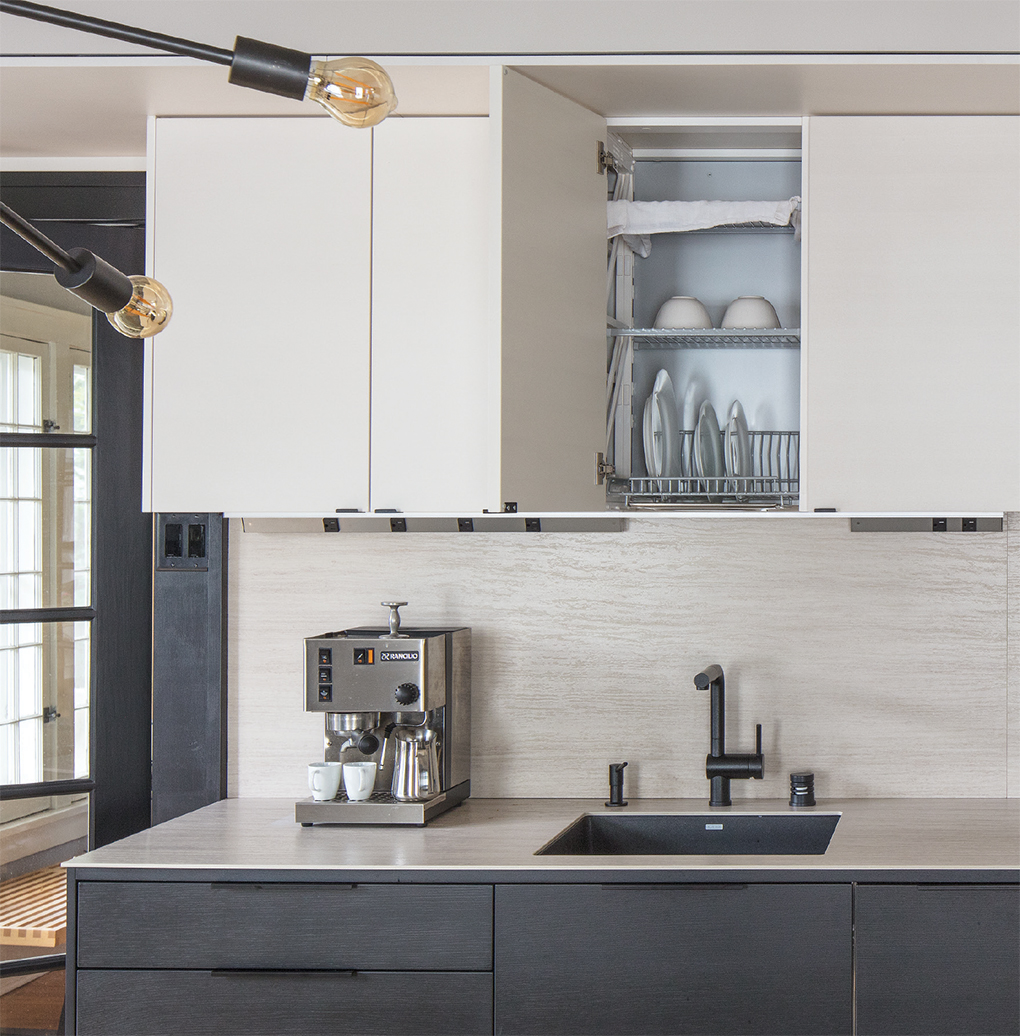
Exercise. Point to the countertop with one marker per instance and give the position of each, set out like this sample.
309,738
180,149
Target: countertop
970,840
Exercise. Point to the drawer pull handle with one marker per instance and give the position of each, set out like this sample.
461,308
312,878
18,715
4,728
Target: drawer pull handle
288,886
673,887
966,888
279,972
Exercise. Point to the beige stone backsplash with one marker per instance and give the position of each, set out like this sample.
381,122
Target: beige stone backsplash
878,660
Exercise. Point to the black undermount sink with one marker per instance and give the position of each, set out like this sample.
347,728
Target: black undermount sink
694,834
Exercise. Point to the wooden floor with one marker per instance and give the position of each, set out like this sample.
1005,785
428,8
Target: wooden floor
34,1009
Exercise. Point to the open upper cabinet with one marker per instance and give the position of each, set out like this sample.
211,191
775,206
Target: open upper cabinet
432,337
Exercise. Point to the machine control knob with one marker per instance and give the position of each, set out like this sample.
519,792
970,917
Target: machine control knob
394,607
407,693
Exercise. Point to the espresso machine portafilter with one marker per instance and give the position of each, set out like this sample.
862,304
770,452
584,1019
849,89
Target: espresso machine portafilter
402,699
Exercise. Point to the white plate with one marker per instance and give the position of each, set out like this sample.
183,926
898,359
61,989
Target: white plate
665,427
708,450
694,396
738,443
649,442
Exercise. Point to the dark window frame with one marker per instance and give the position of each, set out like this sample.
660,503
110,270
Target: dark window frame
104,211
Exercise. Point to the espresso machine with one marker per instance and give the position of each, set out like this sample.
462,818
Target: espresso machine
402,699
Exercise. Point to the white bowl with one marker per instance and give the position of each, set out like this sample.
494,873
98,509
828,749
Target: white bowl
750,311
682,311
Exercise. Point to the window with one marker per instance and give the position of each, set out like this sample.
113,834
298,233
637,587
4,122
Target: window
75,559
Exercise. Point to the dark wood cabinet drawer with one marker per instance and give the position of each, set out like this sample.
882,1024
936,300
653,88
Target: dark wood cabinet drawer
937,959
244,925
655,959
279,1003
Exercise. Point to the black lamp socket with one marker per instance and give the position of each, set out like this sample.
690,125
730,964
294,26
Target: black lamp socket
96,282
271,69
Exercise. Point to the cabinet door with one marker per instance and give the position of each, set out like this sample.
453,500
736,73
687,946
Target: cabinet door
649,959
552,299
257,393
912,363
433,355
282,1003
937,959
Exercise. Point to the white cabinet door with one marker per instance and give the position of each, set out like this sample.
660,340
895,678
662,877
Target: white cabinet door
259,388
433,353
911,341
552,297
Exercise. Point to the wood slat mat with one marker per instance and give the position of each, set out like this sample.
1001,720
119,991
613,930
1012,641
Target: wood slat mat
33,909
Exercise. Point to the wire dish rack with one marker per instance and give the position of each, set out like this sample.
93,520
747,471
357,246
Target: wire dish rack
773,481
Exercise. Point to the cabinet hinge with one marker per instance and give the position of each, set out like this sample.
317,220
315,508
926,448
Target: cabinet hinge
604,159
602,469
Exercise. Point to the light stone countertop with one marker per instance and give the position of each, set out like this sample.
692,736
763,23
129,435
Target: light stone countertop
484,839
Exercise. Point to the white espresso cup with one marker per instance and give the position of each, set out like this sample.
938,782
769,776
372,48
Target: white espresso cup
324,780
359,780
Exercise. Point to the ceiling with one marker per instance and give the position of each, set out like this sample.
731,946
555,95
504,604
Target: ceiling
521,27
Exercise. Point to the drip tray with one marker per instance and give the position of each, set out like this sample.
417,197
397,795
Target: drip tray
381,808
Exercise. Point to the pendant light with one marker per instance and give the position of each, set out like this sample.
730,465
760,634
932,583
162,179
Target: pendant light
354,90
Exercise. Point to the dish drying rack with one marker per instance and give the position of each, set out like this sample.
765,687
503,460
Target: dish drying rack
774,481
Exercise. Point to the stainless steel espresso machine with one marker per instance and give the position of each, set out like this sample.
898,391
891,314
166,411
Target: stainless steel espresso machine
402,699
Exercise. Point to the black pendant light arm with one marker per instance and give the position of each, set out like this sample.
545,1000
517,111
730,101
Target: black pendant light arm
260,66
37,239
80,271
117,31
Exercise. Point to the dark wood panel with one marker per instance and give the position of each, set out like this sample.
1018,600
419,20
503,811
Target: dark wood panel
169,1003
189,675
935,960
235,925
589,959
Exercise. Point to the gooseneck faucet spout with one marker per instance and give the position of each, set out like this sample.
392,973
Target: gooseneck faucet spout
721,768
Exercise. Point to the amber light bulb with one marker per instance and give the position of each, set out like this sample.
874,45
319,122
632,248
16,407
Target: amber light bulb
147,312
356,91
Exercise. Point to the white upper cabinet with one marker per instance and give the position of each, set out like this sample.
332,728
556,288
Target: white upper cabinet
408,319
257,392
433,355
912,315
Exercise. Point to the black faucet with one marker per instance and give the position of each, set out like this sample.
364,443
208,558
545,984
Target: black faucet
721,768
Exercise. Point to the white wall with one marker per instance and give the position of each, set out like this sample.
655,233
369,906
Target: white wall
879,661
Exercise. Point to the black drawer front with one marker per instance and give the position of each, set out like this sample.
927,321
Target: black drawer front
171,1003
652,960
240,925
937,959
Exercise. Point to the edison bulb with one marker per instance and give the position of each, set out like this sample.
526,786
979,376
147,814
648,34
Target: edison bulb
148,311
356,91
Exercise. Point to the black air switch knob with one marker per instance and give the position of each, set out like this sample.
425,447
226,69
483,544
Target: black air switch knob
407,693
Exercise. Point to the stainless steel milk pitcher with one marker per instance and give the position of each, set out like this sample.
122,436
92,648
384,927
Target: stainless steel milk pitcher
415,764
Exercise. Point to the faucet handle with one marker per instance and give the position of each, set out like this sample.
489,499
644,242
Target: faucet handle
757,739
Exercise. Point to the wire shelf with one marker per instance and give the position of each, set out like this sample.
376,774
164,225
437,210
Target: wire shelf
709,338
773,482
755,226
